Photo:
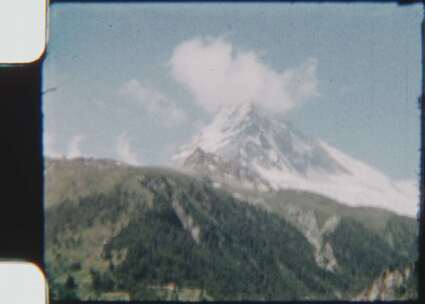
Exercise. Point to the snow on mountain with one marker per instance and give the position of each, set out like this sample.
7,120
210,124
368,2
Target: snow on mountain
250,148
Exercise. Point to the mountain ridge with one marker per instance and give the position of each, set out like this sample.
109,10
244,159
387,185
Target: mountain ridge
274,155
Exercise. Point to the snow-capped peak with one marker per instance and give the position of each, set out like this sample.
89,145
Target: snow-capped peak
245,145
248,135
227,123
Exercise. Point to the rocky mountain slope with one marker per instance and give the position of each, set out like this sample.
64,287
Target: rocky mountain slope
115,231
249,148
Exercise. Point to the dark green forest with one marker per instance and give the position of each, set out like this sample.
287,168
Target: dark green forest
153,227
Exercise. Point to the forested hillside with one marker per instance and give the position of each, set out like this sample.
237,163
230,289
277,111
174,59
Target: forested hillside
121,232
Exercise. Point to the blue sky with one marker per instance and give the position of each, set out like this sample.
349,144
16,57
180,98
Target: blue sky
107,64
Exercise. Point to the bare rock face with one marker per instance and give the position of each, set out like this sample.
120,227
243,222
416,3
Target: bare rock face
187,221
306,222
221,170
384,287
325,258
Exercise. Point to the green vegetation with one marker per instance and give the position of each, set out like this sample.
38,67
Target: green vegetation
363,256
156,234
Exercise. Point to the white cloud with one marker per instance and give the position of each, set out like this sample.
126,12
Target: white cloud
154,102
218,74
74,146
125,151
49,145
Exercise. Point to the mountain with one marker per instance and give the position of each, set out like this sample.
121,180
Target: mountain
118,232
249,148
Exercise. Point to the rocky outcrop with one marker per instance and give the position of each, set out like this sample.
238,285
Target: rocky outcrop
306,222
224,171
187,222
385,287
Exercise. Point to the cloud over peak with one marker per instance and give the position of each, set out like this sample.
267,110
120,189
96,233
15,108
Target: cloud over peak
125,150
218,74
74,146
